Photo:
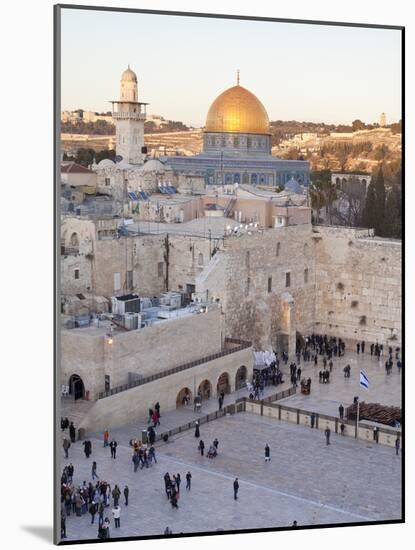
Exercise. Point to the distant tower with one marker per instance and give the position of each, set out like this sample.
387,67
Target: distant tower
129,116
382,121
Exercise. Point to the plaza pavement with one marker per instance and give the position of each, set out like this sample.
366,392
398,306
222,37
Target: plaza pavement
306,480
326,398
347,481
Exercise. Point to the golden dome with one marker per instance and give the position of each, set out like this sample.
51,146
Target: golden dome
237,110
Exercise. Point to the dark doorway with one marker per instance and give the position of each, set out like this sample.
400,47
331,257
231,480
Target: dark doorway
76,387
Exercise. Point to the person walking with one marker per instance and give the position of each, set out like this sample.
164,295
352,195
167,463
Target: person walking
92,511
126,493
235,489
201,447
152,455
116,512
174,497
167,485
136,461
342,426
358,347
66,444
341,411
197,429
216,443
113,448
157,407
178,482
72,432
397,445
327,434
94,471
312,419
188,481
362,346
106,438
267,453
116,493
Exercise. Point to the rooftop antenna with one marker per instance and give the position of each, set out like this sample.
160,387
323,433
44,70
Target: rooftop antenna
237,77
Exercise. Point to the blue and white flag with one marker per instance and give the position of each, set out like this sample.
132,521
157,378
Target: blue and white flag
364,382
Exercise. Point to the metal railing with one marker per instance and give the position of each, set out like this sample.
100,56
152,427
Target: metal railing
241,344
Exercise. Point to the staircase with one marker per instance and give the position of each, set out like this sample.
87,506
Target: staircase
75,411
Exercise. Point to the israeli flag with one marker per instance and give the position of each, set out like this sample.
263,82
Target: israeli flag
364,382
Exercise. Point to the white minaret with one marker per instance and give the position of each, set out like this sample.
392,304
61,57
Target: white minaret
382,121
129,116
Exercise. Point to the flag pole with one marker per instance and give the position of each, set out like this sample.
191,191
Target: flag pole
357,418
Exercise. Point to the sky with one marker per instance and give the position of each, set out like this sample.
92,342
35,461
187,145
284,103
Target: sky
299,72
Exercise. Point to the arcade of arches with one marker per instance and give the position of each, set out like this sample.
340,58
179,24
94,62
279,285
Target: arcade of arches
205,388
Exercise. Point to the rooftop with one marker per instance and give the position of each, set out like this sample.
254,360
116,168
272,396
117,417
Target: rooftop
74,168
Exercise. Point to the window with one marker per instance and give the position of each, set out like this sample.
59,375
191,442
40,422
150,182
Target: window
129,279
269,284
200,259
288,279
306,275
117,281
107,181
76,273
278,249
160,269
74,240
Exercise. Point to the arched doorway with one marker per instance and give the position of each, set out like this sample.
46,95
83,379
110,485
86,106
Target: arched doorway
183,398
223,384
205,389
76,387
241,377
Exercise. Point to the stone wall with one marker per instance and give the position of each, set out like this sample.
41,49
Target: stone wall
251,283
358,290
144,352
131,405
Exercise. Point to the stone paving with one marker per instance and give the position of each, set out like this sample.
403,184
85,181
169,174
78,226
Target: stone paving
307,481
326,398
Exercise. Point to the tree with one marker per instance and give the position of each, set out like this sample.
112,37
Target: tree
380,202
358,125
393,217
368,215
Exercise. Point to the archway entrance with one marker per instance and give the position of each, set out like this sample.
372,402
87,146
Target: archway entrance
205,389
76,387
183,398
223,383
240,378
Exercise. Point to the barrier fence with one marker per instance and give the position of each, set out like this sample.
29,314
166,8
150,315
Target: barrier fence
367,432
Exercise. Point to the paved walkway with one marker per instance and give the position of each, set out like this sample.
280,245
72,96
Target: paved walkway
326,398
307,481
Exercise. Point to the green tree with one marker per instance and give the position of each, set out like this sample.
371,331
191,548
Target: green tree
380,203
369,216
358,125
393,217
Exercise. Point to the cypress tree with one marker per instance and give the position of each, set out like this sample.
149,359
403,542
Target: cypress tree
380,202
368,215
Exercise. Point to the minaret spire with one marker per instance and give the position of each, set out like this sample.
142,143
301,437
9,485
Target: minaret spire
237,77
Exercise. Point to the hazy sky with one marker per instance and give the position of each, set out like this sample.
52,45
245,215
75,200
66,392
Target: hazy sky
303,72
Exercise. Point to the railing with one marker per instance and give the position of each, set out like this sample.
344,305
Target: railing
241,344
384,435
129,114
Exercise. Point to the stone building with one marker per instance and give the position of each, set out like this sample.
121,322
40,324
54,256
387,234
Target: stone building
237,145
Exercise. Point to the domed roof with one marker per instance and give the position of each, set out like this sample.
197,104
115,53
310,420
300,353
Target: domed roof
129,75
153,165
123,165
105,163
293,187
237,110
